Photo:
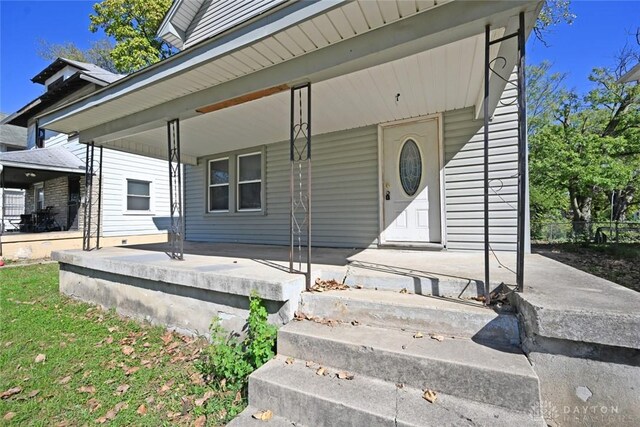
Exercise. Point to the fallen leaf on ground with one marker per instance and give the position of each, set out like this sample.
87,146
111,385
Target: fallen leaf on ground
112,329
40,358
344,375
166,387
263,415
309,364
355,322
9,416
196,379
132,370
142,409
172,415
127,350
65,380
33,393
358,286
403,290
109,339
93,405
438,338
418,335
201,421
10,392
289,361
429,395
87,389
238,398
208,395
167,338
122,389
321,371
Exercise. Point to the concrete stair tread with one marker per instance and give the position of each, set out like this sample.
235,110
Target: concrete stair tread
245,419
452,350
460,367
393,310
297,392
411,300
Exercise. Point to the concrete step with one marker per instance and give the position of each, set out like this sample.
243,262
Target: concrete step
400,311
381,277
296,392
457,367
245,419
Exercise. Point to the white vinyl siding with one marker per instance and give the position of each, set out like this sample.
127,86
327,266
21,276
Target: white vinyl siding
117,167
344,195
217,16
464,181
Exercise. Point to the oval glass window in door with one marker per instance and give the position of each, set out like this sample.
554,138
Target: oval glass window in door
410,167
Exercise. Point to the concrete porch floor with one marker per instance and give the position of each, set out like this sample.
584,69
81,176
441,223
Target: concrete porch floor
565,303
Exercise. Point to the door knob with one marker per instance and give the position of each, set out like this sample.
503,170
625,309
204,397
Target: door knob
387,196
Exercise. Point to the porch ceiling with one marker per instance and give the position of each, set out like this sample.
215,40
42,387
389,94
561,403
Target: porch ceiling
445,78
354,53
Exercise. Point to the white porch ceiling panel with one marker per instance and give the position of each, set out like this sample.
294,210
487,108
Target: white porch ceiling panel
445,78
339,24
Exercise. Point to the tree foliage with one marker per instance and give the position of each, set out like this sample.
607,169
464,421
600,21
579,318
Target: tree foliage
133,25
584,148
553,12
99,53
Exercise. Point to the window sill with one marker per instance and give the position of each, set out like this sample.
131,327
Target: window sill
218,214
139,213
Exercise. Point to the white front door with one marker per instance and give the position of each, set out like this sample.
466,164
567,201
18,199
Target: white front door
411,183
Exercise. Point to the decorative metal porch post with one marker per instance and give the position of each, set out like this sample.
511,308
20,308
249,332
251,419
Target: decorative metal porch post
176,225
522,151
300,186
89,230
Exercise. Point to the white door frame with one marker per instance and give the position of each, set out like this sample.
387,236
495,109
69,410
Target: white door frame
443,223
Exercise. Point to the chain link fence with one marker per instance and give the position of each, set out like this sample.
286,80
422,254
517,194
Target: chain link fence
585,232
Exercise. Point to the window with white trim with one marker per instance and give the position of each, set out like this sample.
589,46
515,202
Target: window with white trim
219,185
249,171
138,195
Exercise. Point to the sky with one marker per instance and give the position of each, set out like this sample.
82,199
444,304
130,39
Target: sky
601,29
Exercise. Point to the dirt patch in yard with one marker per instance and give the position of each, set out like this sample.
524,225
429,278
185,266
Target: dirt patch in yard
619,263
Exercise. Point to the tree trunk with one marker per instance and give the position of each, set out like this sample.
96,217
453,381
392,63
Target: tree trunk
581,210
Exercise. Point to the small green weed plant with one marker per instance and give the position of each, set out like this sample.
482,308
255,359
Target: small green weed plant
228,361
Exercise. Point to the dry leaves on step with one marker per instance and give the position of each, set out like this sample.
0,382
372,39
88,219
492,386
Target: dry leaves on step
87,389
263,415
289,361
309,364
438,338
429,395
355,322
142,409
403,290
299,316
359,286
418,335
321,371
328,285
207,395
10,392
344,375
201,421
40,358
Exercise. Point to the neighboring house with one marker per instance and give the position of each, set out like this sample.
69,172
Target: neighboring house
52,171
396,118
633,75
11,199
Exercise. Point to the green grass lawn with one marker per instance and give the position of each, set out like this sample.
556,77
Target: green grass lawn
98,368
